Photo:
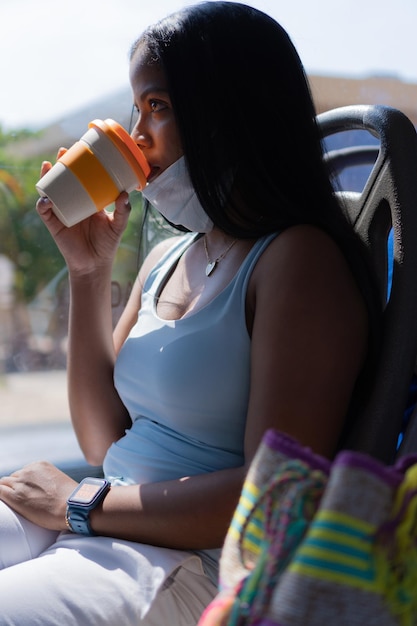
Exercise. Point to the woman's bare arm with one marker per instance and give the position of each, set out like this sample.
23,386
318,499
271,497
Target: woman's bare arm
309,340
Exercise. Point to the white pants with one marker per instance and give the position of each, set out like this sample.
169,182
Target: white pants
51,579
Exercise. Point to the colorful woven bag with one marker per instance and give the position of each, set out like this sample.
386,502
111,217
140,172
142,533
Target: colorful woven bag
315,543
280,496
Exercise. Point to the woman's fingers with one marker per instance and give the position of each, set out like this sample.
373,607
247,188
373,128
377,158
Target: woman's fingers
43,205
45,167
61,152
121,212
44,209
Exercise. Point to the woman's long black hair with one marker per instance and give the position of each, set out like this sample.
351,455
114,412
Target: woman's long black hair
248,127
245,115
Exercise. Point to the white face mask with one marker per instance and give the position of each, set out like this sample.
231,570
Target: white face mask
173,195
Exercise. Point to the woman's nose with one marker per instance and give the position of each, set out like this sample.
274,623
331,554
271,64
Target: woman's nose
138,130
140,139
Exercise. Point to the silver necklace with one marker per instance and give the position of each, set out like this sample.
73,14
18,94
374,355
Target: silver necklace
211,265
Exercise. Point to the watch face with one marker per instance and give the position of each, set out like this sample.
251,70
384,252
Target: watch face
87,491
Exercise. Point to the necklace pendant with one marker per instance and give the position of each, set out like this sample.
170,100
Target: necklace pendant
210,267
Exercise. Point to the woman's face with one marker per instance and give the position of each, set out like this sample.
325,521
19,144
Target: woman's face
155,130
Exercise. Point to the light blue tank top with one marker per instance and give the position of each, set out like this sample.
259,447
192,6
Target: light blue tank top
184,382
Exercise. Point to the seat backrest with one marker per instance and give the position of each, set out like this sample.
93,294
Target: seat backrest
387,201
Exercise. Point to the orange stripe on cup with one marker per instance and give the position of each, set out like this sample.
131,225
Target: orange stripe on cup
92,175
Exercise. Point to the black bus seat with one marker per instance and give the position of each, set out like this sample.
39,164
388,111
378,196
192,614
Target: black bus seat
388,201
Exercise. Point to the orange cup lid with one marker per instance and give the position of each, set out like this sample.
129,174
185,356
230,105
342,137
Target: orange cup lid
124,142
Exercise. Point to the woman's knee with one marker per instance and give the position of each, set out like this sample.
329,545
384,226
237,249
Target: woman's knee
21,540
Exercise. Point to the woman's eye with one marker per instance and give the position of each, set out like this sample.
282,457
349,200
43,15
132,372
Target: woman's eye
156,106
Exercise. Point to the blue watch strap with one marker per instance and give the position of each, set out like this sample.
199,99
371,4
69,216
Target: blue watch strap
78,520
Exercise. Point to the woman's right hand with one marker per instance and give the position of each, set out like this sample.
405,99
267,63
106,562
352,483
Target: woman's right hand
92,243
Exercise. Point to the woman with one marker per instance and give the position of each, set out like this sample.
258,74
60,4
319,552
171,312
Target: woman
260,317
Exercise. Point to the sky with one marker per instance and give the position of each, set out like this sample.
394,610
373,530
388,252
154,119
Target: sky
57,56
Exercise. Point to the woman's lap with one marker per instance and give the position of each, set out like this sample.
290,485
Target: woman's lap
81,581
20,540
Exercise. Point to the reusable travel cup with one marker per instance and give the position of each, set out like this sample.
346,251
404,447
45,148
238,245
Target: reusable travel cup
93,172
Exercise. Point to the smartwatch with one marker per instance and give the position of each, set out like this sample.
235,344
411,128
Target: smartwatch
89,493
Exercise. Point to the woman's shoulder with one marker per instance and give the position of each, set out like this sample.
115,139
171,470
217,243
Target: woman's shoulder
305,266
158,252
302,248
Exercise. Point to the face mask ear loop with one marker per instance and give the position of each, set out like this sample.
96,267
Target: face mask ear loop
131,124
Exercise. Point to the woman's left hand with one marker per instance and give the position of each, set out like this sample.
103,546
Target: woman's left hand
38,492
